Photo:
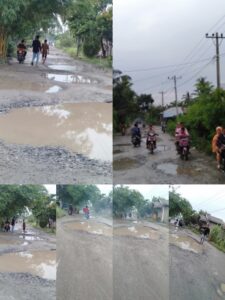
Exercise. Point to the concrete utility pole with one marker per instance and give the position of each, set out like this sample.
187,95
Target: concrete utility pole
162,93
175,78
217,37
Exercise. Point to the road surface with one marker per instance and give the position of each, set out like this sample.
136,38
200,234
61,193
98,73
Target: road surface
133,265
38,121
27,265
196,271
137,165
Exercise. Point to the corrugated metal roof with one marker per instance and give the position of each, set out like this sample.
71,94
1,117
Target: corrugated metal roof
172,112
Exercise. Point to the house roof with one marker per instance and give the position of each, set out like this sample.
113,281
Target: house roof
161,203
211,219
172,112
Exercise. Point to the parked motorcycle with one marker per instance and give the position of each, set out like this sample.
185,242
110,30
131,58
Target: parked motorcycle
136,141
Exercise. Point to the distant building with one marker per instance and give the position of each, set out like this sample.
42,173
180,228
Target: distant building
161,210
204,219
172,112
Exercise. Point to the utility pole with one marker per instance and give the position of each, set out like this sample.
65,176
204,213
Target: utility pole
217,37
162,93
175,78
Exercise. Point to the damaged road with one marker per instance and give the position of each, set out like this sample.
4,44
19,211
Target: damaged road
27,265
39,104
137,165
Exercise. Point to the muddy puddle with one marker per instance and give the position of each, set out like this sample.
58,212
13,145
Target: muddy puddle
174,169
64,67
90,227
125,164
71,78
8,240
8,83
39,263
54,89
81,128
30,238
137,231
186,243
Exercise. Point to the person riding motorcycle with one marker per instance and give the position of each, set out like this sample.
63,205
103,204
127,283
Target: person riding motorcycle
23,47
180,132
151,133
135,131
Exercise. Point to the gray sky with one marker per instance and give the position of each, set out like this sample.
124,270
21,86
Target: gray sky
51,188
206,197
104,188
152,34
148,191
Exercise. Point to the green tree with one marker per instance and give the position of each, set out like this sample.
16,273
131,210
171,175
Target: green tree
179,205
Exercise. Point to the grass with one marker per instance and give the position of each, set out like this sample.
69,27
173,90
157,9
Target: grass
102,62
60,212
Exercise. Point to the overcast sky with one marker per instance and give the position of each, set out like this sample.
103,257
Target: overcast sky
105,188
51,188
148,191
157,33
206,197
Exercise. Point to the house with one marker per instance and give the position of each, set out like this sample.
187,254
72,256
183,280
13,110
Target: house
204,219
161,210
172,112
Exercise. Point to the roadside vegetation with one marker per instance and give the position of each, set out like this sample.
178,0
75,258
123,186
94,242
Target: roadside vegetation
81,195
89,34
30,202
128,106
23,19
204,113
181,208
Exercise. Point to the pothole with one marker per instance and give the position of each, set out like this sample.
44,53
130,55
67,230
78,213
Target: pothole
90,227
40,263
71,78
186,243
54,89
125,164
137,231
83,128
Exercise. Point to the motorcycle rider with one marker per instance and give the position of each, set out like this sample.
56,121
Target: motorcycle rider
22,46
151,132
215,148
180,132
135,131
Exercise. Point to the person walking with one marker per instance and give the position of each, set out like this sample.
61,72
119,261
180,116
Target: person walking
44,50
24,226
36,50
13,223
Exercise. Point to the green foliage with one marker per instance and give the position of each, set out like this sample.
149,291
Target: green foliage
65,40
90,21
180,206
125,199
80,195
91,46
217,236
60,212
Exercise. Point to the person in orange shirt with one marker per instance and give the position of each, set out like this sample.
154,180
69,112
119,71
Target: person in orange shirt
215,148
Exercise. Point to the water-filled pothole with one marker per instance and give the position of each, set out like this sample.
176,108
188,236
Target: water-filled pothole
84,128
186,243
54,89
125,164
65,67
71,78
137,231
40,263
90,227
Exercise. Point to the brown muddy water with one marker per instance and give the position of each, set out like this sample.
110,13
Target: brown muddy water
90,227
39,263
186,243
71,78
137,231
81,128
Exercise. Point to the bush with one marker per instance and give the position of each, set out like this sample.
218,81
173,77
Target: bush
43,222
91,47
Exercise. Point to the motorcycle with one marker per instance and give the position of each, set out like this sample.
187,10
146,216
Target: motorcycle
184,148
136,140
151,142
20,56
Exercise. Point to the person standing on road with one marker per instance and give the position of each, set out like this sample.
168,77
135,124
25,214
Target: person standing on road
215,148
13,223
36,50
45,51
24,226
